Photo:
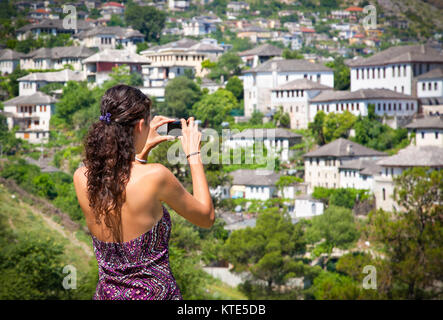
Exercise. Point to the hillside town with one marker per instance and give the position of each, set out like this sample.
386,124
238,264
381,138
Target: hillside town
314,86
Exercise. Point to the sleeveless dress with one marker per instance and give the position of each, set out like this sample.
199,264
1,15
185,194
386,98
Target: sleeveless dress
137,269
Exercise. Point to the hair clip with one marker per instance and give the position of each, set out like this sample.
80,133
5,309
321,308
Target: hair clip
107,117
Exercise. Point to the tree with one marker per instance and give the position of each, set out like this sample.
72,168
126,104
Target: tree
147,19
412,237
227,66
235,85
181,93
342,79
316,127
214,108
291,54
336,226
338,125
268,251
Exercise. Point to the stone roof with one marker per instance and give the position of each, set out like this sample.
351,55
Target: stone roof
256,177
36,98
55,23
302,84
414,156
119,32
287,65
265,132
8,54
344,148
400,54
184,43
58,76
364,166
60,52
427,123
264,50
116,55
436,73
362,94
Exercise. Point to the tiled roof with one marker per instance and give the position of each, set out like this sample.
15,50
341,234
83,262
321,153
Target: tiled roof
61,52
344,148
254,178
288,65
427,123
414,156
8,54
364,166
58,76
400,54
267,132
116,55
184,43
119,32
263,50
302,84
436,73
36,98
55,23
362,94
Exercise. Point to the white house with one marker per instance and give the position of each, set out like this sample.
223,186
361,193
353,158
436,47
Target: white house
31,114
111,37
358,174
277,140
260,54
99,66
322,165
295,97
32,82
394,68
307,207
52,27
425,151
178,5
412,156
110,8
199,26
386,102
56,58
428,131
258,82
9,60
254,184
430,84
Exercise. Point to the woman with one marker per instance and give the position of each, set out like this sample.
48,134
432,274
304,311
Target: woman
121,196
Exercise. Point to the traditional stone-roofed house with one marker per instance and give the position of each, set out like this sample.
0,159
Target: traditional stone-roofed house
254,184
386,102
394,68
104,37
278,140
260,54
412,156
295,97
322,165
430,91
31,114
52,27
56,58
99,65
172,59
32,82
258,82
358,174
9,60
428,131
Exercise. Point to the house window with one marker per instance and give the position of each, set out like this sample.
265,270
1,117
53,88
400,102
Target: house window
424,86
422,134
384,72
378,73
429,86
402,89
384,193
357,74
404,70
393,71
436,135
362,73
435,85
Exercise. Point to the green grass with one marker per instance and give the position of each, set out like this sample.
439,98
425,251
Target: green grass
23,220
222,291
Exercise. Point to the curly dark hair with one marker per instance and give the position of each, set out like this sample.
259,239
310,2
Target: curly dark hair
109,152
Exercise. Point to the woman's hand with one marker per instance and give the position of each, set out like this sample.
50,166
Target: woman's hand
153,137
190,137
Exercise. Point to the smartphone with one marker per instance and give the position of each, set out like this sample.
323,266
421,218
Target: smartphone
174,128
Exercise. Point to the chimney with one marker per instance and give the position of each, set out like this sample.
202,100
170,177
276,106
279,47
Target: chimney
349,149
274,74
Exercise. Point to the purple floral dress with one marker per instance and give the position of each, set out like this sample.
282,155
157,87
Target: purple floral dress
137,269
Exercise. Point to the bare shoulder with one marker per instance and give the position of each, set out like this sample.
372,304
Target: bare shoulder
79,174
157,170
